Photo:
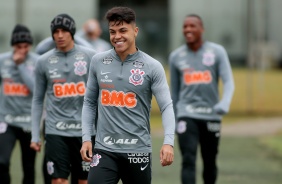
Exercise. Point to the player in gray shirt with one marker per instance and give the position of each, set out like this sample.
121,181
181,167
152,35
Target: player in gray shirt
61,75
41,48
119,90
17,81
195,70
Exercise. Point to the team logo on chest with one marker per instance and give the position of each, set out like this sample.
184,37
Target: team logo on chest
79,56
107,60
136,77
138,64
208,58
53,59
80,68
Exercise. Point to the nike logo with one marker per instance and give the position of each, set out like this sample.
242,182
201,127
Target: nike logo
143,168
104,73
52,71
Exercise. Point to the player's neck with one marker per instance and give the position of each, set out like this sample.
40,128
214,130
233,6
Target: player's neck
196,45
123,55
66,48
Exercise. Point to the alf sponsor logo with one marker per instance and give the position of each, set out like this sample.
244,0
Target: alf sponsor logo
118,99
197,77
17,119
15,89
69,89
111,141
68,126
200,110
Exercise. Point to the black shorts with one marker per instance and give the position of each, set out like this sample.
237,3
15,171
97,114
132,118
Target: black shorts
63,155
108,168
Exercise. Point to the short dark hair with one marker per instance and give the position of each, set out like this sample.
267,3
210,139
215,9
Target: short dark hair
121,14
196,16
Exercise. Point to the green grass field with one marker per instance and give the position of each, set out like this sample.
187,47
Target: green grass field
241,160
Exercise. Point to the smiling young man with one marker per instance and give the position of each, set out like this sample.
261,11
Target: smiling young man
195,70
61,74
16,84
120,87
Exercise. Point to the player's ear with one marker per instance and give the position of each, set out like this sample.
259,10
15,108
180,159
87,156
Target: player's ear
136,30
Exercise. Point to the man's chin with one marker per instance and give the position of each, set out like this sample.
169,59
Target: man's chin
119,49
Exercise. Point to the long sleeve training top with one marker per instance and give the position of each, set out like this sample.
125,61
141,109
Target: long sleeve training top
195,78
61,76
120,94
17,82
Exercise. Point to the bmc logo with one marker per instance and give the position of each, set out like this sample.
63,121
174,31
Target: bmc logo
200,77
118,99
69,89
15,89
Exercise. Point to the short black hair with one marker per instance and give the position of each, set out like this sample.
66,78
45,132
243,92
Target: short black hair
196,16
121,14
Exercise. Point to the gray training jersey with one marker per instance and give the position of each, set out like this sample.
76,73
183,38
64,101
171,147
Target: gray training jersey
194,81
62,77
123,91
16,90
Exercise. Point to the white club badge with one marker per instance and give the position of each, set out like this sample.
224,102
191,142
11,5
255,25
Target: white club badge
80,68
3,127
50,167
136,77
95,160
208,58
181,127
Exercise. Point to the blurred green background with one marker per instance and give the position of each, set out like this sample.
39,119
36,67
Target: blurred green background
250,31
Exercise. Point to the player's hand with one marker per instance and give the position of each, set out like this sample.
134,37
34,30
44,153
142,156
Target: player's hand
35,146
86,151
18,57
219,109
166,155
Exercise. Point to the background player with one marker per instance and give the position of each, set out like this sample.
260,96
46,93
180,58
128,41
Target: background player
195,70
61,74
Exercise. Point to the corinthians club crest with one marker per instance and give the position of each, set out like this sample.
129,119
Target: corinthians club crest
136,77
95,160
80,68
50,167
208,58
